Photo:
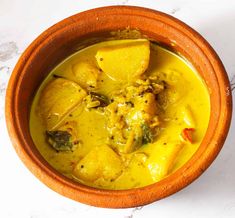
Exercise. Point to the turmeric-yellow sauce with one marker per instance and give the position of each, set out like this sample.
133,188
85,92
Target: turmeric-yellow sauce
120,114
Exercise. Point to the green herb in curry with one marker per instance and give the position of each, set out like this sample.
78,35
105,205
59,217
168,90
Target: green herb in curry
60,140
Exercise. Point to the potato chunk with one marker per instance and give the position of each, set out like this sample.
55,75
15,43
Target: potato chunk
161,162
101,161
145,108
57,99
124,62
85,73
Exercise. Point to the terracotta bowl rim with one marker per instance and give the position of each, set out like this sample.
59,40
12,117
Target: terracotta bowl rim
120,198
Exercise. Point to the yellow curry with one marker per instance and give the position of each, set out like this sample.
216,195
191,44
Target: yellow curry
120,114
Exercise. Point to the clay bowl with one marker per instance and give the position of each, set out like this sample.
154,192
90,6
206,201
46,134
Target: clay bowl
91,26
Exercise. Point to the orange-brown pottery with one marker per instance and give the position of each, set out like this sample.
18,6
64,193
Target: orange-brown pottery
85,28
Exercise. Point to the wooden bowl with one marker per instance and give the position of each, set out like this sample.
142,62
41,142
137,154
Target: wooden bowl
85,28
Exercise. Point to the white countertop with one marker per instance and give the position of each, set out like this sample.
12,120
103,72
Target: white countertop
24,196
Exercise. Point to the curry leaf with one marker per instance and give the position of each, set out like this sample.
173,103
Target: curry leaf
104,101
60,140
147,135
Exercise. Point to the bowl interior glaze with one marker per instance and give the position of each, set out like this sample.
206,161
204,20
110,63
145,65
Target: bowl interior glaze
86,28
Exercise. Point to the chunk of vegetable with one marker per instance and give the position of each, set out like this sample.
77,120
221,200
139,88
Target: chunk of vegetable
145,108
57,99
100,162
85,73
162,160
169,97
124,62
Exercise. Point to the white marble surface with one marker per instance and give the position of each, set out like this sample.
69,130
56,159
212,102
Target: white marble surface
23,196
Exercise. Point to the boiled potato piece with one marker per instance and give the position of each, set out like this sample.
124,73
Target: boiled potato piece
101,161
124,62
163,159
57,99
144,110
85,73
169,97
